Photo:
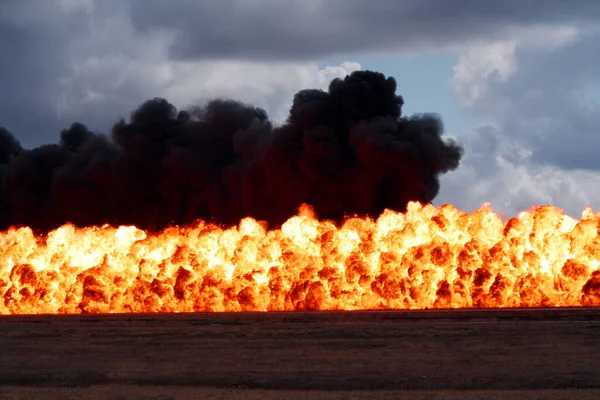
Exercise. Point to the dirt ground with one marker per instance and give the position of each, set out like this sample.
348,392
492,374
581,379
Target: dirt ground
501,354
181,393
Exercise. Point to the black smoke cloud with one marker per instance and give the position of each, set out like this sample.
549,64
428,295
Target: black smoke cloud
347,151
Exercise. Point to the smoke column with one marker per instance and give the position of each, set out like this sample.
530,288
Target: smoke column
345,151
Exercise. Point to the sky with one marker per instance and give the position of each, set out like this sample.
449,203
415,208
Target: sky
517,82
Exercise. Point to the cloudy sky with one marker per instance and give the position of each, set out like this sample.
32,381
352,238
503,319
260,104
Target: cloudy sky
516,82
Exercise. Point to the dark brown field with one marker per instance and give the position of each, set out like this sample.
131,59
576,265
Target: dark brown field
474,354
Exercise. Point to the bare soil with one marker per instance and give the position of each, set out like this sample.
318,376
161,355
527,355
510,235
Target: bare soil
117,392
474,354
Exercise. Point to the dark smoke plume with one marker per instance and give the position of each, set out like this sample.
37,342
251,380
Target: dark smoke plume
347,151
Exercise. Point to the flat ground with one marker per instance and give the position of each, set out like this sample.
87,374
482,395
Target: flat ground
476,354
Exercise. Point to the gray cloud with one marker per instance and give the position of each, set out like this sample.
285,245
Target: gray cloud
560,122
35,57
547,104
272,29
28,60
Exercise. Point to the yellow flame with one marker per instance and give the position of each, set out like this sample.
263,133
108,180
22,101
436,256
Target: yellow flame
427,257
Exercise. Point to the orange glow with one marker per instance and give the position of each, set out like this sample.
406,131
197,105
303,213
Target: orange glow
426,258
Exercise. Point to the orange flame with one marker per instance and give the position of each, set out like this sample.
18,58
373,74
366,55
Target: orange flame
427,257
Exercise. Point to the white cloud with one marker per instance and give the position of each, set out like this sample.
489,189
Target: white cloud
538,147
117,78
486,63
497,171
478,66
268,85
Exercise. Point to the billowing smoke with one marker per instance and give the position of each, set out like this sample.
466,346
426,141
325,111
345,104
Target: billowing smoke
347,151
